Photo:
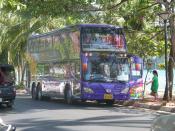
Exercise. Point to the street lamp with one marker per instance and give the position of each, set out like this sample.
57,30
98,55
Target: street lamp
165,16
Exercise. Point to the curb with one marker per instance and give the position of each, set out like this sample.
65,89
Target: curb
167,109
142,105
154,107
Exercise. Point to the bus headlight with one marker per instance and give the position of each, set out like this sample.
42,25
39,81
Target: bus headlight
88,90
125,90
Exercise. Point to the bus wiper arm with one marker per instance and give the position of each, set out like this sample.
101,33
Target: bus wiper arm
120,81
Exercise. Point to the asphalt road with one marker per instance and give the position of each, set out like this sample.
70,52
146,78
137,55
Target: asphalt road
55,115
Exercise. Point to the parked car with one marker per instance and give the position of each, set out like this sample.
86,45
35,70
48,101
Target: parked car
6,127
164,123
7,85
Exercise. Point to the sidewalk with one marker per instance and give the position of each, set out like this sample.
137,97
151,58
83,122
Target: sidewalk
147,103
159,105
22,92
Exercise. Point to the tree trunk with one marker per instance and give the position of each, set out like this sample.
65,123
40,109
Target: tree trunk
28,76
172,55
170,74
19,69
19,74
169,8
22,70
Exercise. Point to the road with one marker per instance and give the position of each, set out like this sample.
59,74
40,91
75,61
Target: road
55,115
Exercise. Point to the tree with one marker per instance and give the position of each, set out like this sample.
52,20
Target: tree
169,7
31,16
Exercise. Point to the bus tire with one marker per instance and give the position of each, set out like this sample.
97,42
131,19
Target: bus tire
83,100
10,104
68,96
39,92
46,98
34,92
99,101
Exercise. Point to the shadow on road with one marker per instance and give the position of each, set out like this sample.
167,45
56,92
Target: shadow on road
53,125
126,117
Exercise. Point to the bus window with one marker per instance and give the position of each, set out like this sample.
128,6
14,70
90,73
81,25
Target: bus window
136,70
102,39
75,38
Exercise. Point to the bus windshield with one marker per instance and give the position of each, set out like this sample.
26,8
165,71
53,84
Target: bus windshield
106,68
102,39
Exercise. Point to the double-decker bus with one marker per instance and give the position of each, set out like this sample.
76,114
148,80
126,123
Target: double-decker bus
85,62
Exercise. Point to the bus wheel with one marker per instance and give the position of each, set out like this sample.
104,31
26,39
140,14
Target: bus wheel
39,92
110,102
83,100
34,92
99,101
10,104
68,96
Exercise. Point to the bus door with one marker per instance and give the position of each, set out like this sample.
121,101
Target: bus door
136,83
75,77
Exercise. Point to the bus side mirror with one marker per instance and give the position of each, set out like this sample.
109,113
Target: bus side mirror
138,67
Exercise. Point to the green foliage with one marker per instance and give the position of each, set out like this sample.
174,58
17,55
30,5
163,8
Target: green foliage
20,86
65,50
36,16
4,57
161,66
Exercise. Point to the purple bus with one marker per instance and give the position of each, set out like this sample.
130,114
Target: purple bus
84,62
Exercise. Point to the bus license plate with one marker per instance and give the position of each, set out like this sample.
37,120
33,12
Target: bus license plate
108,96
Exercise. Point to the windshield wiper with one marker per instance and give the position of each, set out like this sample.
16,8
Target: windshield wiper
120,81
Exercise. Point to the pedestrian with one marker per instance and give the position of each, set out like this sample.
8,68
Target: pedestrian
154,85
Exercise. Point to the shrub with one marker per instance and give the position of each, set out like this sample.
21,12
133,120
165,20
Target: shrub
20,86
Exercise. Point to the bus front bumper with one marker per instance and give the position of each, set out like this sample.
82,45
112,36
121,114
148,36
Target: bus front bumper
89,96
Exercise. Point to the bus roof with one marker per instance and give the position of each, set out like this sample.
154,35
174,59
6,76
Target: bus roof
98,25
72,26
